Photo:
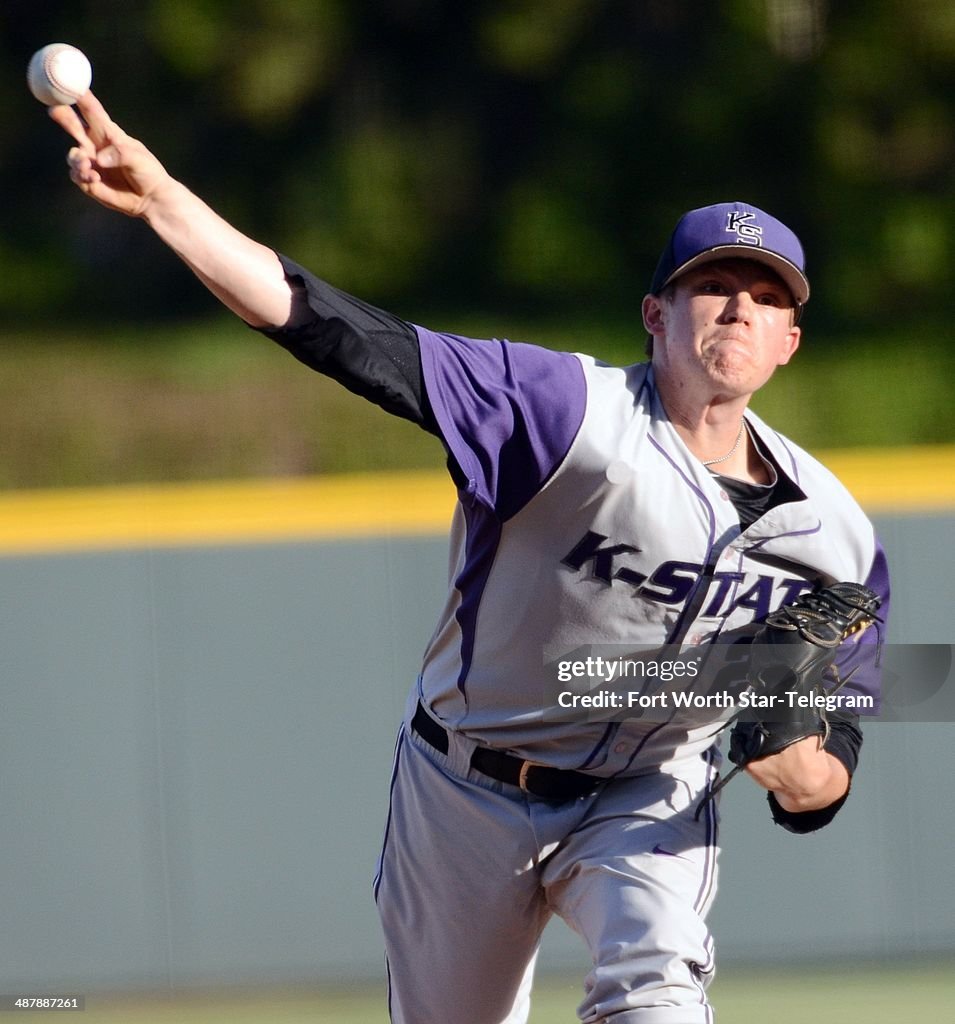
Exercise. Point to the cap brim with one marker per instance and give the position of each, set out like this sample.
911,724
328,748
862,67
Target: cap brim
794,279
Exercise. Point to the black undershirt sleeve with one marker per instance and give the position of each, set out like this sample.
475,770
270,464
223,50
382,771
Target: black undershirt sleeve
369,351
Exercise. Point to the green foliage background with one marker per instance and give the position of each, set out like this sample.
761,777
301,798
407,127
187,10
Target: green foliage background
508,167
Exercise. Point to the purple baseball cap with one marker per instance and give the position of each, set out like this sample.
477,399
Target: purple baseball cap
733,231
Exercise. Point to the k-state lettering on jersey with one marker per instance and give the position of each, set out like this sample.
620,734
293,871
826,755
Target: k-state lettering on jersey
584,520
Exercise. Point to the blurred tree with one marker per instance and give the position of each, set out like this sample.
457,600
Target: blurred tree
496,152
883,148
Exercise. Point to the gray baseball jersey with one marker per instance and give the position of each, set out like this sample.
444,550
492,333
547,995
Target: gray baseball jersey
583,521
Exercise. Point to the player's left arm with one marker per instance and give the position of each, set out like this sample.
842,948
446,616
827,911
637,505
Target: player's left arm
808,782
803,777
806,791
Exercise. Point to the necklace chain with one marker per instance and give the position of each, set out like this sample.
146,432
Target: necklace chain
731,452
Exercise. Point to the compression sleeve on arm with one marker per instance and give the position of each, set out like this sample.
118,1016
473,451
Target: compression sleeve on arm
369,351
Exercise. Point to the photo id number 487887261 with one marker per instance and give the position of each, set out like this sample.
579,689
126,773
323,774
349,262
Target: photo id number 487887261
46,1003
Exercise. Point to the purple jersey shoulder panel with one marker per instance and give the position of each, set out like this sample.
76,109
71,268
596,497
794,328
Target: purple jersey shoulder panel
508,412
878,578
860,662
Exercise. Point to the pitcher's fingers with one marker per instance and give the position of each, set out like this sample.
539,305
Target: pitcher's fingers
85,177
68,119
81,166
99,127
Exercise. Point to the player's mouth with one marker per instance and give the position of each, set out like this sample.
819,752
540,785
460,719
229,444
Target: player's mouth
732,340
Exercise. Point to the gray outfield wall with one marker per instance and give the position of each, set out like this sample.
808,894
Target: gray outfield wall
195,752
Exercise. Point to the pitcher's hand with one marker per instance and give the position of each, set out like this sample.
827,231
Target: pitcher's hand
107,164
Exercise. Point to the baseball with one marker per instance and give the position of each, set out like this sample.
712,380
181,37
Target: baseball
59,73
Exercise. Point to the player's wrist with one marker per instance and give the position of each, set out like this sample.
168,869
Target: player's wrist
819,783
167,200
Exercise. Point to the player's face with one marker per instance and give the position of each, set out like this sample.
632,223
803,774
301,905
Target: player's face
722,329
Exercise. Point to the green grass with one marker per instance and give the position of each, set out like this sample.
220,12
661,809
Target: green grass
847,994
214,400
850,993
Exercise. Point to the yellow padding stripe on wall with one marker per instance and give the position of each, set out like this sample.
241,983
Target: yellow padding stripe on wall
904,480
914,479
241,512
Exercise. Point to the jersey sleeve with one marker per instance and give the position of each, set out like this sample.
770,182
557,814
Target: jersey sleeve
508,413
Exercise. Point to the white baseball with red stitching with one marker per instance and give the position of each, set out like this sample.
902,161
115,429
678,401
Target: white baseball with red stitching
59,73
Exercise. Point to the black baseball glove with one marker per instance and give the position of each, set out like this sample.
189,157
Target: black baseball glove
791,653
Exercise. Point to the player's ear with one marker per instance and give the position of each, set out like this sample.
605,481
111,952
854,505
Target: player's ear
653,315
792,343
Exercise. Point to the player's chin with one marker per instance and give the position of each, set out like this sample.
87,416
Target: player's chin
732,377
737,371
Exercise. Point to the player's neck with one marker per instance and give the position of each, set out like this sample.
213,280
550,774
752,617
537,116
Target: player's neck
713,430
721,442
745,464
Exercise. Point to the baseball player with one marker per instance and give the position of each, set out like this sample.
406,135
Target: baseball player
597,505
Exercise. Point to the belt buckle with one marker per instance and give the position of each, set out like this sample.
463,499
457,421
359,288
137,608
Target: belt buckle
526,767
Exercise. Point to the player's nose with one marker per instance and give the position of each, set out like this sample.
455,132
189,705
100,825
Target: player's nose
738,307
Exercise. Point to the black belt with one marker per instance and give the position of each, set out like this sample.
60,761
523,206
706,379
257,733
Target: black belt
552,784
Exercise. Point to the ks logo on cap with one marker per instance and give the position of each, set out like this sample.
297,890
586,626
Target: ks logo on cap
742,225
